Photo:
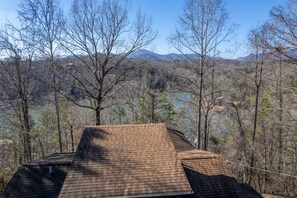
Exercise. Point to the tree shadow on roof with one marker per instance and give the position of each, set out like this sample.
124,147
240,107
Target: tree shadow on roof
45,177
36,181
103,167
89,151
217,186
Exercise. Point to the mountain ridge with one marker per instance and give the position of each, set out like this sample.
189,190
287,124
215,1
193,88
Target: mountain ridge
149,55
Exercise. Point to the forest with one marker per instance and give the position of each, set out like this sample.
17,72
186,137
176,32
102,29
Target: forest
60,72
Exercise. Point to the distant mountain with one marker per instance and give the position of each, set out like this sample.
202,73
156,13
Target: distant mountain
270,56
251,57
247,58
148,55
145,54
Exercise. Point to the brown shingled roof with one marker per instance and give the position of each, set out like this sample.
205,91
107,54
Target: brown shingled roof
208,172
40,178
210,177
126,160
145,160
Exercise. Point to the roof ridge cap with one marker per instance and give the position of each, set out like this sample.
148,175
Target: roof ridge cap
69,152
197,154
181,135
124,125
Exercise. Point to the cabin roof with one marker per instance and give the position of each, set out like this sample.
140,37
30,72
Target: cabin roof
147,160
126,160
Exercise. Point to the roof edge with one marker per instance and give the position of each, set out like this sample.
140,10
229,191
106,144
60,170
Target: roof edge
123,125
47,164
158,194
43,161
196,158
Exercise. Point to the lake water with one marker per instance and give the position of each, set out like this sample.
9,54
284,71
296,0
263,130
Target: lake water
179,99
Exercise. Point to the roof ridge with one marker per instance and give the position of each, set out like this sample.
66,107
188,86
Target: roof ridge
197,154
70,152
124,125
197,158
33,164
181,135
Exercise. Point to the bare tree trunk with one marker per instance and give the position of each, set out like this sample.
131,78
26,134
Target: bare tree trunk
257,39
24,111
28,156
255,119
280,134
200,102
98,115
56,100
66,140
152,117
254,132
41,147
265,159
15,154
72,139
241,133
258,82
206,131
134,116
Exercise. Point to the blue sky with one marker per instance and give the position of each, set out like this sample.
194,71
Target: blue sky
246,13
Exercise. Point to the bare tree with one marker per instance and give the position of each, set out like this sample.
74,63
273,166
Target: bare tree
257,39
101,37
280,107
43,22
16,80
282,45
203,27
282,26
